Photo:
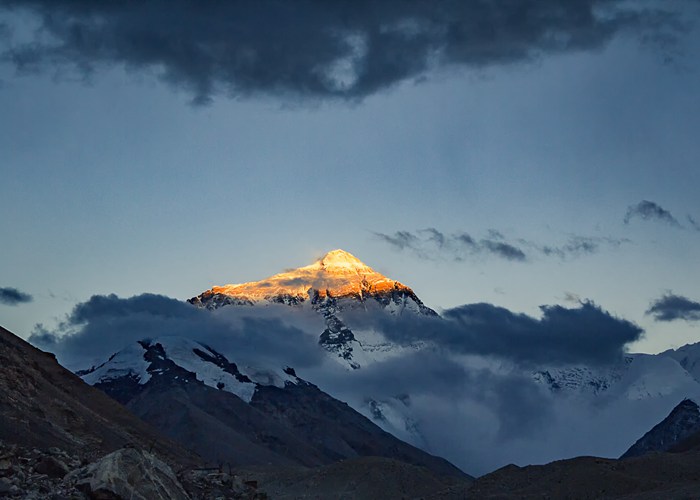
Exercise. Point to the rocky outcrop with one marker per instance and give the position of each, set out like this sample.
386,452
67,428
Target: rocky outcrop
128,473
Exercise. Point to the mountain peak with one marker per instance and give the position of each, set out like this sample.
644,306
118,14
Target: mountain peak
340,259
337,273
341,263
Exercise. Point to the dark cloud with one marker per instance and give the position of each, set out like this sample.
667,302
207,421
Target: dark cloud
106,324
650,211
693,223
585,334
671,307
12,297
401,240
339,49
505,250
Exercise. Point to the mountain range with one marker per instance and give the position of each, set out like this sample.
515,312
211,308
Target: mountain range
195,405
340,289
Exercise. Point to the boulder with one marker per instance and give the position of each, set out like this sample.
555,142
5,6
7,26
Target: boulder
128,473
52,467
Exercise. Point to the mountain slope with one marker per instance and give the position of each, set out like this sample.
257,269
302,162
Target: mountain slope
244,415
43,405
680,424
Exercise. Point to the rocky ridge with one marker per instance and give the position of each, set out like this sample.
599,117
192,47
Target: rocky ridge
680,424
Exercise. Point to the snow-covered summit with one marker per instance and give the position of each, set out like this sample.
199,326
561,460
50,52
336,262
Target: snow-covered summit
337,274
139,363
332,285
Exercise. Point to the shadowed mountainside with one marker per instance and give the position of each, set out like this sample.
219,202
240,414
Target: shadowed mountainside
43,405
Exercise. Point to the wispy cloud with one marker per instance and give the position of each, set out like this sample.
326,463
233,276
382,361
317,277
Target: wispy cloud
581,245
319,49
693,223
12,297
650,211
432,243
672,307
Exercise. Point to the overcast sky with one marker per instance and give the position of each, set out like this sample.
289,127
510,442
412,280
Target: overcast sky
475,152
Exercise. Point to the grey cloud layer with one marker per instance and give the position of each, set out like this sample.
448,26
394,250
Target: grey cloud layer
432,243
671,307
12,297
106,324
584,334
506,411
347,49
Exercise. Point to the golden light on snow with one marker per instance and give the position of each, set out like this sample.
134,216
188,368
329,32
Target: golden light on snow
337,273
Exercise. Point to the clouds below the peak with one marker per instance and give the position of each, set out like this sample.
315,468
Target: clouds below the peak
431,243
320,49
103,325
585,334
475,366
11,296
671,307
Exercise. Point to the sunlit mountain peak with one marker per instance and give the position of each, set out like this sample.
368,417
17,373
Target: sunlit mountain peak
338,273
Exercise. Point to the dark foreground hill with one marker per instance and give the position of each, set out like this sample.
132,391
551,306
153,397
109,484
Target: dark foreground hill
655,475
44,405
61,438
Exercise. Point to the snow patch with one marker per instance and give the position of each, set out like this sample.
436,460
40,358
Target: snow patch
127,362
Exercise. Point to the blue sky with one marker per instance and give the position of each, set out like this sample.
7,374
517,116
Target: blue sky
114,182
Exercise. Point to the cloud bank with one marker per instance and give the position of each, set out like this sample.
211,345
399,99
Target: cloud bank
340,49
586,334
479,414
671,307
103,325
12,297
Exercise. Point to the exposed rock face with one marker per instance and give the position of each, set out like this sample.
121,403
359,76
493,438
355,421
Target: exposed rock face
680,424
129,473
